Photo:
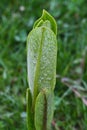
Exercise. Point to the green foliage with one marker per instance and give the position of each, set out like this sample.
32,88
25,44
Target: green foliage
44,110
16,20
41,64
30,112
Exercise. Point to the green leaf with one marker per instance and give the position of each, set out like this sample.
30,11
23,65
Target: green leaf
30,114
42,53
44,110
41,64
46,16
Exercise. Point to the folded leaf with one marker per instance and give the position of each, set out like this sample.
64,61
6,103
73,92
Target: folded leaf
44,110
30,113
41,64
46,16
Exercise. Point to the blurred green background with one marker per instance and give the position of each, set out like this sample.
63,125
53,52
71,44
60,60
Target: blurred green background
16,20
